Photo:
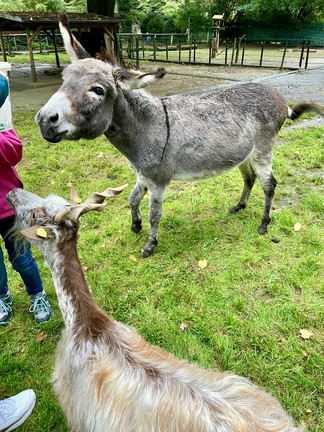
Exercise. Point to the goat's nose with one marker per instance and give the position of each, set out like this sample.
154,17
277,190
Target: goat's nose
54,118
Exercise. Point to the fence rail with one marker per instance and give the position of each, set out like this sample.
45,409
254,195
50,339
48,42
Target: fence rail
183,48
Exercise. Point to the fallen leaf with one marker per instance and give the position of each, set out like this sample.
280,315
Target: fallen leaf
306,355
84,268
133,258
297,226
305,334
308,410
77,199
183,326
41,232
146,196
202,263
40,337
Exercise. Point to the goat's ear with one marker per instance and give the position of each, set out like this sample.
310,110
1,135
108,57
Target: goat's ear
72,46
132,80
38,233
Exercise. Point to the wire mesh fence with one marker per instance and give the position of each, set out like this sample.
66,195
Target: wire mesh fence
183,48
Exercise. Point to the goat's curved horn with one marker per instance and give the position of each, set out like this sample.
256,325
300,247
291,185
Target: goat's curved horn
73,213
99,197
93,203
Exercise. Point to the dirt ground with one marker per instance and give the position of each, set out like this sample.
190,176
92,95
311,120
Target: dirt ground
295,86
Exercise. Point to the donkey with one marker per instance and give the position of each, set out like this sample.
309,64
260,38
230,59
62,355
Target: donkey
107,378
177,137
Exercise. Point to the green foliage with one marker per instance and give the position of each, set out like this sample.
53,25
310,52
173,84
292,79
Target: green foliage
32,5
281,11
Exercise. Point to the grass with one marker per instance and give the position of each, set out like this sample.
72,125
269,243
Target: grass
243,312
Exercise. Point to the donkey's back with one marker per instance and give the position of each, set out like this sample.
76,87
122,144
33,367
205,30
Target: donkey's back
212,133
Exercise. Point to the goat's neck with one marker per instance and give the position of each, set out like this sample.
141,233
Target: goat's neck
78,308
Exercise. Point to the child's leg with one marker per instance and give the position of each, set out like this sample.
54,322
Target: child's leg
22,260
3,275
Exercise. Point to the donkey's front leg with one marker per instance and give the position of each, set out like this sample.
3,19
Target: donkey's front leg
156,195
135,199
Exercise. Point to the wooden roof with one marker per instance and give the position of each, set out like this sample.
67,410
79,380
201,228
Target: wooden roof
31,23
19,21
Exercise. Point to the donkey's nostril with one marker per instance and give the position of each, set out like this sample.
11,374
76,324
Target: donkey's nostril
54,118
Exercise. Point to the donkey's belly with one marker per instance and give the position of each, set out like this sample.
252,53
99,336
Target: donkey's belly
203,167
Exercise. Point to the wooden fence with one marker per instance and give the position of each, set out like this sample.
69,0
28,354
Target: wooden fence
181,48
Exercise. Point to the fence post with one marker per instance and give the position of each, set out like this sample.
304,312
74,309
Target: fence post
284,54
179,51
194,41
143,48
243,53
137,51
302,55
261,56
154,47
226,52
233,51
166,49
210,48
307,54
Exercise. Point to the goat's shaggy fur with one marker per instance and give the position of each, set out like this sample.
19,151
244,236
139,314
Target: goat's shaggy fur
107,377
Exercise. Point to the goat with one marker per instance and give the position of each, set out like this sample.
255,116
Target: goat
177,137
107,378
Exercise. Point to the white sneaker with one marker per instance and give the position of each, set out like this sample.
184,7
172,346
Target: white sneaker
15,410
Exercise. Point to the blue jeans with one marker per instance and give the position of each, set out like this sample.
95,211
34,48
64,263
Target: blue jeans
21,259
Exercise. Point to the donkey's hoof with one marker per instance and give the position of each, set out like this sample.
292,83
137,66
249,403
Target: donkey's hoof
148,249
262,229
136,227
145,253
237,208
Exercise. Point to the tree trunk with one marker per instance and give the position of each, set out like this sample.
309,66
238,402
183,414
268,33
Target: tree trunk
101,7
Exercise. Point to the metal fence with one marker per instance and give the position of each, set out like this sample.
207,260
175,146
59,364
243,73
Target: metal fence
182,48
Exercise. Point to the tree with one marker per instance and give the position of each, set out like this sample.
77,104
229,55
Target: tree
106,7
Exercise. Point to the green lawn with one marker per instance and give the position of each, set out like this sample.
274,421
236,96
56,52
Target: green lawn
242,312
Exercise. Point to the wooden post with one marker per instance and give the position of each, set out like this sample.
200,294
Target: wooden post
284,54
233,51
154,47
30,38
302,54
3,47
307,54
243,53
137,51
261,56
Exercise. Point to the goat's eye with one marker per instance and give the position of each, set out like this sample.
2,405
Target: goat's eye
98,90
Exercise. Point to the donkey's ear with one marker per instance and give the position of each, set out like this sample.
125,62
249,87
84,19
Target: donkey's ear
131,80
72,46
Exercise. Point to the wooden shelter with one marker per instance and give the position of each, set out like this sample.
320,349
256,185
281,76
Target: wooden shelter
92,30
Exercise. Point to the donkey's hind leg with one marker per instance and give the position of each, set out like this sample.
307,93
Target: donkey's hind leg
156,195
268,183
249,177
135,199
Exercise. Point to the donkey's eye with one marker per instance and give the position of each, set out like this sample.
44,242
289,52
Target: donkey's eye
98,90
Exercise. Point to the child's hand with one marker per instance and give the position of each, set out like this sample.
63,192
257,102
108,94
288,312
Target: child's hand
4,74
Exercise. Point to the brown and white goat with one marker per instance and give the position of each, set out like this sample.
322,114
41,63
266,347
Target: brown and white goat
107,378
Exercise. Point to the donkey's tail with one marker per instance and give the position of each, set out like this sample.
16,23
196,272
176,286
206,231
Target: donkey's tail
298,110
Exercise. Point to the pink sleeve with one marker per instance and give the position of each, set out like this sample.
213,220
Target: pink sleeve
10,148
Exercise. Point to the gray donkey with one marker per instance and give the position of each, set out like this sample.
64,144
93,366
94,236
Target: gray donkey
178,137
